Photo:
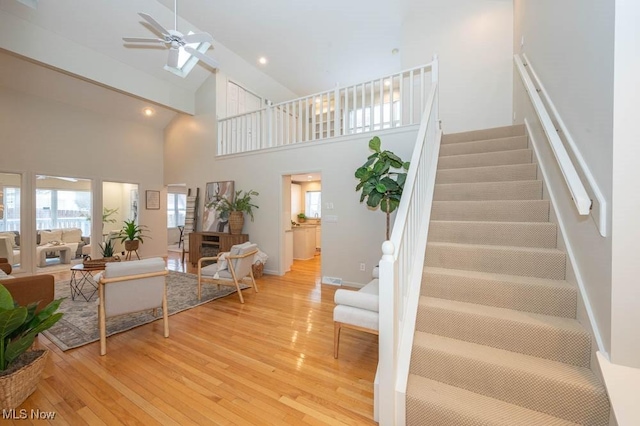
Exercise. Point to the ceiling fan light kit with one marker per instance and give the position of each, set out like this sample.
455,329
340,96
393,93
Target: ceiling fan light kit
179,45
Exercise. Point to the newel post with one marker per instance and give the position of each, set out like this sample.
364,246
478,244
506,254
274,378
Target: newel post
388,330
269,123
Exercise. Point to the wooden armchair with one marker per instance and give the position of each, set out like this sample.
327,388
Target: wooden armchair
127,287
238,267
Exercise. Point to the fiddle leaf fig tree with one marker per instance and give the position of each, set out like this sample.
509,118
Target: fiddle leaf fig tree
382,179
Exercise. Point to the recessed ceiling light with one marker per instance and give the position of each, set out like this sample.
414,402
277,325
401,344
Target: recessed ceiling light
309,177
395,51
262,60
148,111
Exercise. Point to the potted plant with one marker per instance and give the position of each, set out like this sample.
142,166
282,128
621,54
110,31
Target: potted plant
132,235
107,249
382,179
236,209
302,218
20,369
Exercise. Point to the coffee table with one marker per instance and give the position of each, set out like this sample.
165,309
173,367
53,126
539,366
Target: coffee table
82,276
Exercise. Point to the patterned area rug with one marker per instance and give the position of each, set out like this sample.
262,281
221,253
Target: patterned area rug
79,325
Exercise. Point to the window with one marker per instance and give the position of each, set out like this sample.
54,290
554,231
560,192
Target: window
56,208
176,209
313,203
11,202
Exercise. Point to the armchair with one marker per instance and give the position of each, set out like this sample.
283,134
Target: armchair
134,286
7,251
238,262
357,310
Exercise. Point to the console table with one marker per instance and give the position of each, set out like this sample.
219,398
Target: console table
219,241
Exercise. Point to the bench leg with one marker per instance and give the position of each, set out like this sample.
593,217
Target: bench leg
337,326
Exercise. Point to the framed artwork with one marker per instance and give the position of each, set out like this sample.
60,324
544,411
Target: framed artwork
153,200
133,201
213,220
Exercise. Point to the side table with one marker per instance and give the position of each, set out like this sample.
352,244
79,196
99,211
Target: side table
82,276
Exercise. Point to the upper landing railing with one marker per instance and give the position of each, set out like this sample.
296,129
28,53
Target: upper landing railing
392,101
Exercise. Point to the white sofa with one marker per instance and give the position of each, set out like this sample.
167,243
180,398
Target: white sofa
357,310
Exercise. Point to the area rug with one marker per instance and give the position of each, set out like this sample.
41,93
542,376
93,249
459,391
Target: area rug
79,324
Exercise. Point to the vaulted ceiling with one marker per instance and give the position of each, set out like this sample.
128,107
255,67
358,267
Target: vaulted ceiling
310,46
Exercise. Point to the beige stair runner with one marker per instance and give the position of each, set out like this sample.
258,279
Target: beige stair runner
497,342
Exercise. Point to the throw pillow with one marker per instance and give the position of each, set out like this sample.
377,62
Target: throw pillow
71,235
47,237
11,236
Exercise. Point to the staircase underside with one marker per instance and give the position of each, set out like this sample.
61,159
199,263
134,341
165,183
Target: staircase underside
496,341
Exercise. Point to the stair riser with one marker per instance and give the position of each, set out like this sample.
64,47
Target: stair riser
476,135
520,156
493,211
541,235
538,340
488,174
525,190
497,261
553,396
490,145
539,299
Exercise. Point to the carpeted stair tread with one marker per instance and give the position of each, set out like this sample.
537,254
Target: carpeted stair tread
516,190
508,172
526,261
492,210
523,234
486,145
527,294
544,336
477,135
562,390
430,402
499,158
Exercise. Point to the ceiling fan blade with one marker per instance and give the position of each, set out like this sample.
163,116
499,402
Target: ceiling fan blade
154,24
204,58
198,38
142,40
172,62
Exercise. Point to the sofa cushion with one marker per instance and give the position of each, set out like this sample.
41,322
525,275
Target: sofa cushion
11,236
71,235
355,316
47,237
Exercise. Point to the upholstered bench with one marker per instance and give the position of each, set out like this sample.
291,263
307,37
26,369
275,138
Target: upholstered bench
357,310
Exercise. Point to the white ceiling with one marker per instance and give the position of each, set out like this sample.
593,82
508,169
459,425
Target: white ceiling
310,45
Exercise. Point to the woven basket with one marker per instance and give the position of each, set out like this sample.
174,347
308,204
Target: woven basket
17,386
236,222
98,263
258,269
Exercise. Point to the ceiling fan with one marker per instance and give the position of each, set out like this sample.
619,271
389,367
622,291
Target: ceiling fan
174,40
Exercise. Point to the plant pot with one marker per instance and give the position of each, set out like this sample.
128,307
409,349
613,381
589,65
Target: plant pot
19,385
236,222
131,245
302,219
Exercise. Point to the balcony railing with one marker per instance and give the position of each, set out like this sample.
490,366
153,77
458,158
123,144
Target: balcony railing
392,101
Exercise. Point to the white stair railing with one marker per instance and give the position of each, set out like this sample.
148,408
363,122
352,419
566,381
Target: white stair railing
402,264
392,101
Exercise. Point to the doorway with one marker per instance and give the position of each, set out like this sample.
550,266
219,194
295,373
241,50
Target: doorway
302,213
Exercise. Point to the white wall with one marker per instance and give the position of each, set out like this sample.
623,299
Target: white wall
569,44
625,339
358,235
40,136
473,39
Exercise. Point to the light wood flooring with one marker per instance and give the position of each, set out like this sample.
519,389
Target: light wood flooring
268,361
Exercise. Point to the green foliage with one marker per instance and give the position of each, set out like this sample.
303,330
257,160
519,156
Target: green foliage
241,203
382,179
107,248
302,216
19,325
131,231
107,213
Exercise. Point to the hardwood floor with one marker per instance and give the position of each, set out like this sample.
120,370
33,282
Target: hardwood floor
268,361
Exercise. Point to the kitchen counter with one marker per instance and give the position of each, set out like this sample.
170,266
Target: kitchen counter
304,242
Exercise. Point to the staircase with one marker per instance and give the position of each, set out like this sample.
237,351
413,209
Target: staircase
496,341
